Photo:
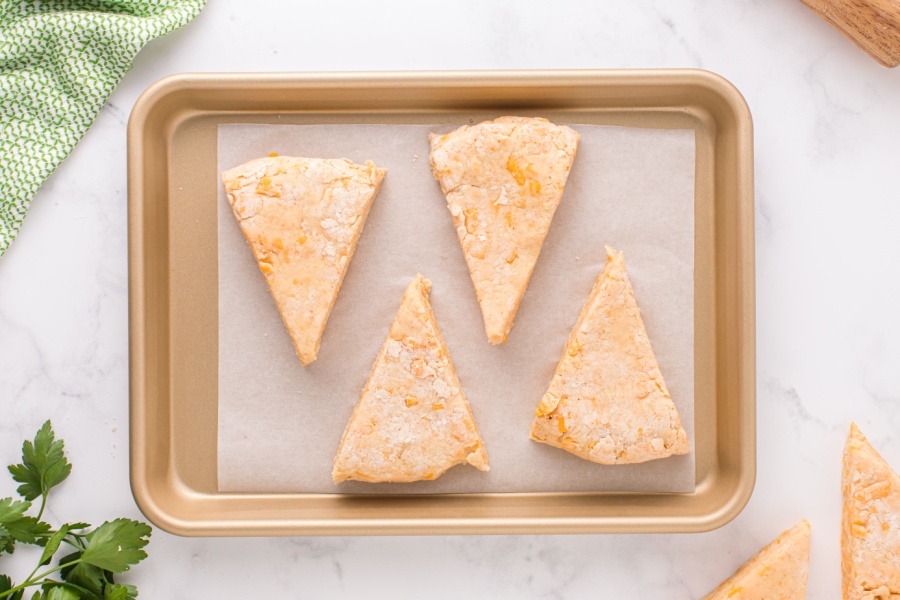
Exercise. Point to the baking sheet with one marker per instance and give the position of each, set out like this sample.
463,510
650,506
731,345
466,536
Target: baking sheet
280,423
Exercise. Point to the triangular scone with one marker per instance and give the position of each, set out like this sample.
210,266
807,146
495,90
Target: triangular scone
302,218
412,421
779,572
870,531
608,401
503,180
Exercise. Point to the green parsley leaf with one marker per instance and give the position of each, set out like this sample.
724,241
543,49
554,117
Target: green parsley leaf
12,510
28,530
116,545
53,545
7,544
44,464
11,522
83,575
5,583
120,592
57,593
31,482
82,593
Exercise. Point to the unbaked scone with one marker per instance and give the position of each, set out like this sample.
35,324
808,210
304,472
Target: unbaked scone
503,180
607,401
779,572
870,530
412,421
302,218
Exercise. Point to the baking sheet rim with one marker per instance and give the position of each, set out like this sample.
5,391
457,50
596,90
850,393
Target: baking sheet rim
148,499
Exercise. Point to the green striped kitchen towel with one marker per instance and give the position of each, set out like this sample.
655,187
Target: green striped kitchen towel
59,61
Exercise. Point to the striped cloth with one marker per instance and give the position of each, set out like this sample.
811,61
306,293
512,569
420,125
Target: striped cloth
59,61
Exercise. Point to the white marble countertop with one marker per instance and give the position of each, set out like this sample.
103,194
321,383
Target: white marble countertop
827,131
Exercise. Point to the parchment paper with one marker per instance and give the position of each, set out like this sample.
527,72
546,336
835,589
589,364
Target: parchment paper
280,423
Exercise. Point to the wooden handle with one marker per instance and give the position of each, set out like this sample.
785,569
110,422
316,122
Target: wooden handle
873,25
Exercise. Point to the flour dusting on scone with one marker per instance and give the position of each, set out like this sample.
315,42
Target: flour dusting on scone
870,532
779,572
412,421
503,180
302,218
608,401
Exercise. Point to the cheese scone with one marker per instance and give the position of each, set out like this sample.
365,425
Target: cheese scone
870,531
302,218
412,421
607,401
503,180
779,572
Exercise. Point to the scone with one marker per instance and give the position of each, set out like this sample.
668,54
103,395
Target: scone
608,401
412,421
779,572
302,218
870,531
503,180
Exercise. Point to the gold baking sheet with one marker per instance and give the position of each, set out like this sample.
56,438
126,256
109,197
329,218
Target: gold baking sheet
174,282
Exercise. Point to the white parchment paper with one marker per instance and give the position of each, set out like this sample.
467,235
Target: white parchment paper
280,423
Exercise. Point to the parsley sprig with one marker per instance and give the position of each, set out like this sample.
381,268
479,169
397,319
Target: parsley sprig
95,556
